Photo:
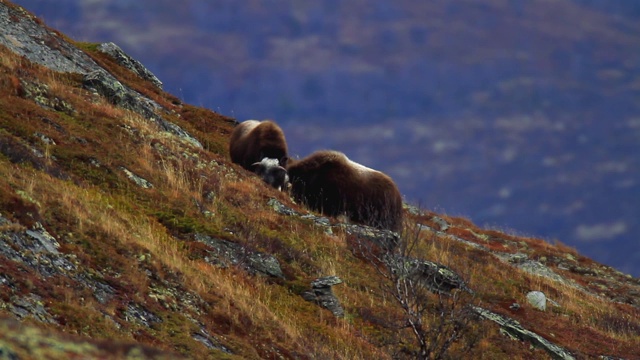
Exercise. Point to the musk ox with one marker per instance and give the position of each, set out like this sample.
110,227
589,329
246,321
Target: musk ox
252,141
272,173
327,181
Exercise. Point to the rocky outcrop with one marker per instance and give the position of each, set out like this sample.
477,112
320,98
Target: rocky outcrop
322,294
26,36
22,340
34,247
130,63
224,253
37,249
143,183
29,38
29,306
608,282
115,92
523,262
19,151
42,96
384,239
433,276
515,330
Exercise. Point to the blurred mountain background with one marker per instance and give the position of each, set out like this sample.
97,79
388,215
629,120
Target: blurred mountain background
519,115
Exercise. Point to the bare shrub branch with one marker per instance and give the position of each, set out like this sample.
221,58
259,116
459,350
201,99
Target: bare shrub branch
432,298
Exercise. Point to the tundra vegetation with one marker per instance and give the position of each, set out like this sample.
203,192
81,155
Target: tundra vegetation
92,262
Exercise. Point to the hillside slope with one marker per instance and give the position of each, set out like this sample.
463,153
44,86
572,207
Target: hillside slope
126,232
516,114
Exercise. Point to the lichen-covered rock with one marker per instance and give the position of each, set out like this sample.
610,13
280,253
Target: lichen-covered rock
523,262
224,253
39,250
537,299
25,36
21,340
36,248
42,96
515,330
109,87
143,183
128,62
29,306
138,314
433,276
322,294
209,341
385,239
325,282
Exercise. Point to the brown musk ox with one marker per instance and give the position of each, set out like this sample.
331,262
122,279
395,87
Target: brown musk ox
328,182
253,143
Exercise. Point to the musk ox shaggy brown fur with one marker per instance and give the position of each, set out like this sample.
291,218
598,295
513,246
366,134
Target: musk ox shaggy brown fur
252,141
327,181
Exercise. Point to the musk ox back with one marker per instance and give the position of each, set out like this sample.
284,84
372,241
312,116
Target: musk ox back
327,181
252,141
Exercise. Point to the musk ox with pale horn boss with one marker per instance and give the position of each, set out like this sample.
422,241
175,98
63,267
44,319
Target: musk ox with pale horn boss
260,146
328,182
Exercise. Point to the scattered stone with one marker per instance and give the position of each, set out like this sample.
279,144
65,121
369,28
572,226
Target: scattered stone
138,314
143,183
384,239
47,243
30,39
414,210
280,208
537,299
423,227
322,294
59,128
22,340
44,138
39,250
444,225
209,341
40,94
325,282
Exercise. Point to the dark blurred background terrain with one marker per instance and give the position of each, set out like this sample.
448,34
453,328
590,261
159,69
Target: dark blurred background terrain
520,115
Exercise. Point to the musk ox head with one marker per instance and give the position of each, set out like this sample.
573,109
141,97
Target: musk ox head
271,172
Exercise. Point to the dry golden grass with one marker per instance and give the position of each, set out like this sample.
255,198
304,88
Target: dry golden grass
108,223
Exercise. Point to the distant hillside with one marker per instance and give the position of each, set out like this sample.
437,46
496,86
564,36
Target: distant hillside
127,233
520,115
